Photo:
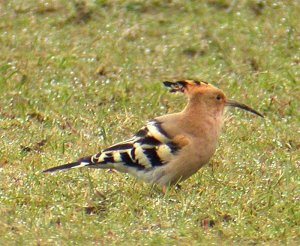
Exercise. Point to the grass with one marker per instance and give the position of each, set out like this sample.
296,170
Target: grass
78,76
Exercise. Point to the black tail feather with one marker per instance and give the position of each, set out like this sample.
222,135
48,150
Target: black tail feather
80,163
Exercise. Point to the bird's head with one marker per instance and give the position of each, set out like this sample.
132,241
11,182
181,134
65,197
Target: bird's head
203,92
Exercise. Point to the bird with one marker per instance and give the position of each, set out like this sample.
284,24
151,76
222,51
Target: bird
172,147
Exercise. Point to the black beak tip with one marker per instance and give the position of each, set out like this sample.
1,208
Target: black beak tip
244,107
261,115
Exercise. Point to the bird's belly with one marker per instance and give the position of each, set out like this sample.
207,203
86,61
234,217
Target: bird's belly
190,162
154,175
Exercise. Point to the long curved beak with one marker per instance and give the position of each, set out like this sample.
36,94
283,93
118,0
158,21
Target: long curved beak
232,103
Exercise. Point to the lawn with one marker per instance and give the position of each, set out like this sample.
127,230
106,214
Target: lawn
77,76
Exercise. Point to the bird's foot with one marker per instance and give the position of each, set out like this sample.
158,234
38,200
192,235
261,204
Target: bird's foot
166,188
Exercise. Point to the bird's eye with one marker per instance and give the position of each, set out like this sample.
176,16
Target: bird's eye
218,97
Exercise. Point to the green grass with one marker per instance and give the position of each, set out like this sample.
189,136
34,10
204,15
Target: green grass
76,77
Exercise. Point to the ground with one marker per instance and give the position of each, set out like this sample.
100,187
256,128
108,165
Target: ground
77,76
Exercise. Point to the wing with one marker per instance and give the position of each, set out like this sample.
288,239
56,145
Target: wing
150,147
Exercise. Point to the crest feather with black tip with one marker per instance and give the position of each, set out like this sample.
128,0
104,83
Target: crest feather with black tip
181,85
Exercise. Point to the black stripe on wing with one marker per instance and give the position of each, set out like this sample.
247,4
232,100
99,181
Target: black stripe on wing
158,125
149,141
130,162
121,146
109,159
142,133
173,147
153,157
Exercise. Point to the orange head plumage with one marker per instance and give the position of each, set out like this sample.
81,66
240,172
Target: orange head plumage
205,94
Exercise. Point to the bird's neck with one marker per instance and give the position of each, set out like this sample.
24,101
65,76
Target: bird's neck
204,118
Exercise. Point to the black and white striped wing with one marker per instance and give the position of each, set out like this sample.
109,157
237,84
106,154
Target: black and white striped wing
150,147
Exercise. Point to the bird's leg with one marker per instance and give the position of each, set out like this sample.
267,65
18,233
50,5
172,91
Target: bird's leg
112,171
164,189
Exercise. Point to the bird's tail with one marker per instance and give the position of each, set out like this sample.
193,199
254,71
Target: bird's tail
80,163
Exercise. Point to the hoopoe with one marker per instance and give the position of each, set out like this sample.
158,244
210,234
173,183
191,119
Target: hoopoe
172,147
